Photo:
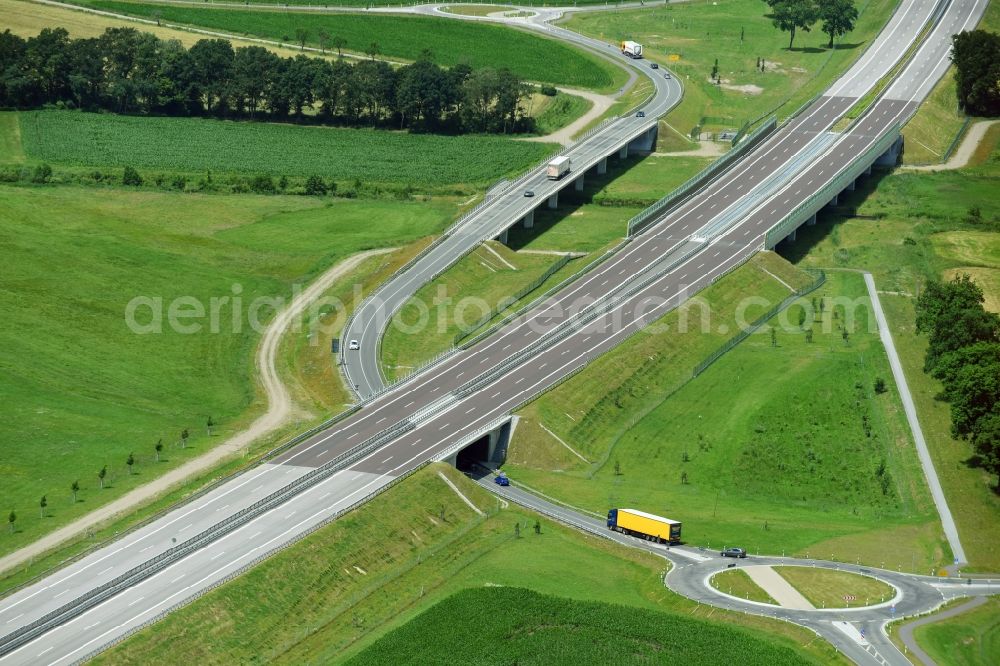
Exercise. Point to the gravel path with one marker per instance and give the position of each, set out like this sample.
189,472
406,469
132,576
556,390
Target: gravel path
906,631
780,589
963,154
599,104
280,409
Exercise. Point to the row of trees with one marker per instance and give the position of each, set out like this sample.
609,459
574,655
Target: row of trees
976,56
127,71
838,16
964,354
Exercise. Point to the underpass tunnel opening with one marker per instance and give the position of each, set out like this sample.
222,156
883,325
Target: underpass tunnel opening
486,452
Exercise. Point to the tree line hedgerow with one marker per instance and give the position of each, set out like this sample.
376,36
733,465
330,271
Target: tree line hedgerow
132,72
977,71
964,354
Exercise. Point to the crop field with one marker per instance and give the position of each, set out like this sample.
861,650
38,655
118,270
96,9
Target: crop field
529,56
199,145
826,588
689,37
347,590
83,390
922,230
971,638
459,298
543,629
781,448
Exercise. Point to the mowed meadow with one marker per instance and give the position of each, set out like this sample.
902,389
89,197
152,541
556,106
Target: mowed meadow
450,42
81,390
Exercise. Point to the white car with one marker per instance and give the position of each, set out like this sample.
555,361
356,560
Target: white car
353,344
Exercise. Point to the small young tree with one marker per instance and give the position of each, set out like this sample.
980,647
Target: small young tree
130,461
324,39
845,335
103,473
339,43
802,318
618,468
373,50
301,36
209,425
538,527
184,438
517,530
879,385
774,338
75,489
158,448
684,478
715,70
809,335
42,503
11,519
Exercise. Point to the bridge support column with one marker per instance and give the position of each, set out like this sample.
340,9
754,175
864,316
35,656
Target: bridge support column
890,158
811,221
868,171
851,185
623,152
791,237
529,220
835,200
554,201
578,184
500,440
602,167
503,236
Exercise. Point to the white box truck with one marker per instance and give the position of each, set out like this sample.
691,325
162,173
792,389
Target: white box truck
632,49
558,168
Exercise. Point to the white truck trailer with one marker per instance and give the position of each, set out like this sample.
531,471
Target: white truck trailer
558,168
632,49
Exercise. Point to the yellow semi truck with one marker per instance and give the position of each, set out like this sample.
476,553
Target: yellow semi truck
644,525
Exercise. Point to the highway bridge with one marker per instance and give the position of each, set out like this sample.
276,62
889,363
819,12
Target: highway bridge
471,392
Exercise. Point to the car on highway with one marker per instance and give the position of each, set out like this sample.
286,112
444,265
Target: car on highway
653,65
529,193
354,344
640,114
501,479
666,75
733,552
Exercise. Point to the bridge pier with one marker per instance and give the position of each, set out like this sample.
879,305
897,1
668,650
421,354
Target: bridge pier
623,152
528,221
811,221
835,200
503,236
602,167
868,170
791,237
851,185
554,201
578,184
646,142
890,158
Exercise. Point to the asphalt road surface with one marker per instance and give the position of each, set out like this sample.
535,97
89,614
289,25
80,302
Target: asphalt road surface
653,273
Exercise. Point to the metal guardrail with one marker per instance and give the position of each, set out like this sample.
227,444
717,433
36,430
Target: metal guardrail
638,223
156,564
820,198
755,325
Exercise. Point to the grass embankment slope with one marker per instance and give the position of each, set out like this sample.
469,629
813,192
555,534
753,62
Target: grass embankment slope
700,32
459,299
971,638
737,583
925,232
81,390
399,555
938,121
782,448
195,145
827,588
528,55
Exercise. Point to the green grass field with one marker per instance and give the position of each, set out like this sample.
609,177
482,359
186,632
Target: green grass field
779,449
459,298
969,639
700,32
531,57
193,145
826,588
543,629
737,583
551,114
81,390
923,233
347,590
